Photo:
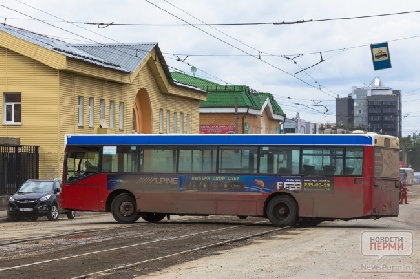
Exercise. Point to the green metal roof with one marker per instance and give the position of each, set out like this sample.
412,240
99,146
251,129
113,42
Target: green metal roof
192,81
219,95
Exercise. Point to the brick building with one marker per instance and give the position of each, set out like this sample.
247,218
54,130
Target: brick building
235,108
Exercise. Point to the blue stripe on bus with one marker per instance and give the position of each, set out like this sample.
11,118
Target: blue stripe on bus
201,139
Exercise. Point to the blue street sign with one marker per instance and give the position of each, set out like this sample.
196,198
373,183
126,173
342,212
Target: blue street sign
380,56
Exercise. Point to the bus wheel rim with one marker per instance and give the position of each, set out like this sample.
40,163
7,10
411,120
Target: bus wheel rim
126,208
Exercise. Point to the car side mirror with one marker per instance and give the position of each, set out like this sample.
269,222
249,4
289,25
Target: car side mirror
56,190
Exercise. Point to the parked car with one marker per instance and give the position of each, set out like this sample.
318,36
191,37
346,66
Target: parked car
37,197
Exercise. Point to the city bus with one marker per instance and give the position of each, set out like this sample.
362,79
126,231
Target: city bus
407,176
290,179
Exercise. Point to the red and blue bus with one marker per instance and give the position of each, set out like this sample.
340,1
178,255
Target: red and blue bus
290,179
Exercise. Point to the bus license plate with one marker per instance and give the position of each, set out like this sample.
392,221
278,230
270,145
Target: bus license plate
26,209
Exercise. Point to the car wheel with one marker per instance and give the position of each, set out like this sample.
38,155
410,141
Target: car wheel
71,214
282,211
53,214
124,209
154,217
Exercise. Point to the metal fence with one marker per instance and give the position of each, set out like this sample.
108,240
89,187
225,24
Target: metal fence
17,164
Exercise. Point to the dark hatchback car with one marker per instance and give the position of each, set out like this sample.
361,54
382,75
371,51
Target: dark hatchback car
36,198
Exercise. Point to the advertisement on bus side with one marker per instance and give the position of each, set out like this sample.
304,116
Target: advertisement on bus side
218,183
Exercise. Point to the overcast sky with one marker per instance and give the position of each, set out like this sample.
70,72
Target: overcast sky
304,65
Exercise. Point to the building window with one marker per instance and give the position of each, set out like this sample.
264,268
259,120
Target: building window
188,124
181,122
12,108
80,111
91,110
160,121
121,116
175,123
168,121
101,109
111,114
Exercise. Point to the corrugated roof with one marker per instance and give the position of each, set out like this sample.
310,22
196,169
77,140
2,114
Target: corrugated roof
122,57
219,95
227,99
126,56
193,81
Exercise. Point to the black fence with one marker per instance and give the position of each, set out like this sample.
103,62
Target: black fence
17,164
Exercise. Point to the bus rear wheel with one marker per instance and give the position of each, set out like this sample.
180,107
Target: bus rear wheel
282,211
124,209
153,217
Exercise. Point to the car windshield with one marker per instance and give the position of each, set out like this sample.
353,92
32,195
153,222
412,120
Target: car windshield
36,186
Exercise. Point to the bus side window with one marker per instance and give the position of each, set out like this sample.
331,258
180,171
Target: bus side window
159,159
279,160
237,159
200,160
354,161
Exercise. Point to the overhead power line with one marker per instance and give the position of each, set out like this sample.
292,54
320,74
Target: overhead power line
241,50
107,24
103,25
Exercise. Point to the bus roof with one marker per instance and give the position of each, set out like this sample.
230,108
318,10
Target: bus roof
225,139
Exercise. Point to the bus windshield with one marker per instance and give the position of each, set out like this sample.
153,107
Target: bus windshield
81,161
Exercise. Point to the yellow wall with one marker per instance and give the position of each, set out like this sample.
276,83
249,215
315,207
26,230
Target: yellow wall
173,103
39,86
50,102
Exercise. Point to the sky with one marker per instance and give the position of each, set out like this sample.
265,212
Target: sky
317,51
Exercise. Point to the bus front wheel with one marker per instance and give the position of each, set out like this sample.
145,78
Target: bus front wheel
282,211
124,209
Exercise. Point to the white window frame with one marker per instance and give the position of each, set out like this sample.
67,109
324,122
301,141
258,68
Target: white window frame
168,121
160,121
13,105
121,116
91,111
111,114
181,122
188,124
101,109
175,122
80,115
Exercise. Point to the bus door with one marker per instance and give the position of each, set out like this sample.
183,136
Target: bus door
82,180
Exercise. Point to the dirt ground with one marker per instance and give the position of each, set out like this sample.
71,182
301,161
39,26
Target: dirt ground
330,250
93,243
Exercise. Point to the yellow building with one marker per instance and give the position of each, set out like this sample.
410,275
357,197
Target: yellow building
51,88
